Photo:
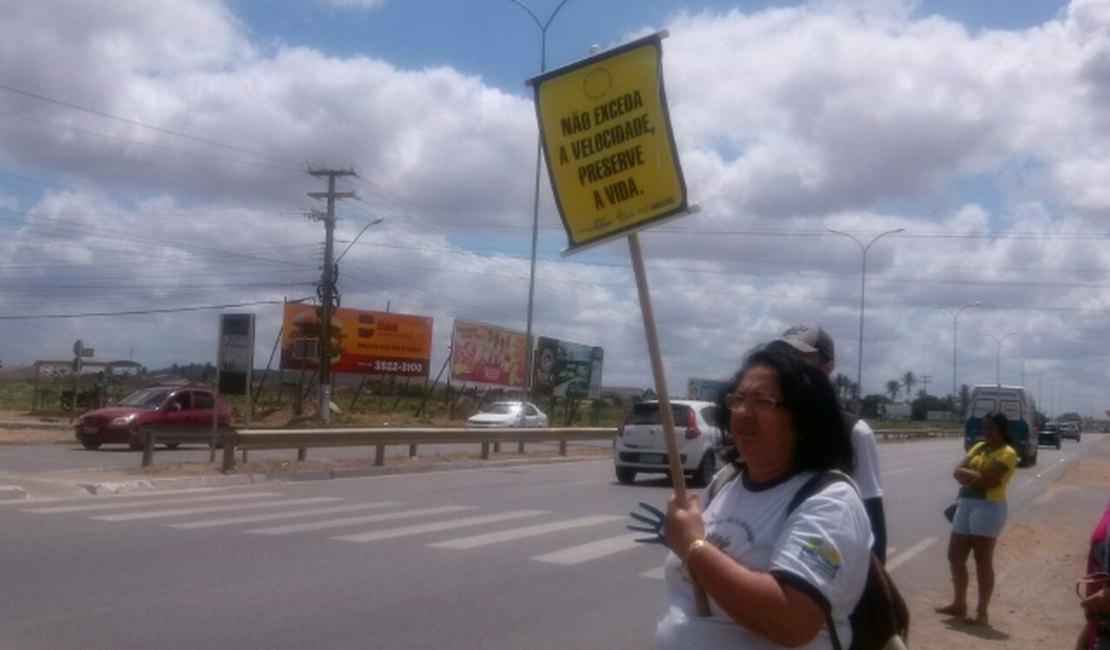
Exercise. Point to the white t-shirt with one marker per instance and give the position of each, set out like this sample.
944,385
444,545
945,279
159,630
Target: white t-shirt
866,473
824,543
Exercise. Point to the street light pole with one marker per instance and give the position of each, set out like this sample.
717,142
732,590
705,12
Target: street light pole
998,355
955,315
862,288
543,25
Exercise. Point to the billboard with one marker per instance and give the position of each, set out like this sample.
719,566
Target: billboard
235,356
709,390
608,143
487,354
567,369
362,342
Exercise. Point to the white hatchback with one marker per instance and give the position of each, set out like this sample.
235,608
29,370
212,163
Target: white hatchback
642,448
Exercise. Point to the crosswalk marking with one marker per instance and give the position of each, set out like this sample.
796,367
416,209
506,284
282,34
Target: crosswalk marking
590,551
437,526
528,531
350,521
179,512
188,504
92,507
293,514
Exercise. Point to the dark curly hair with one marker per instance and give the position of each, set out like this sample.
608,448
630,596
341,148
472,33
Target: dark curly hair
1000,420
824,438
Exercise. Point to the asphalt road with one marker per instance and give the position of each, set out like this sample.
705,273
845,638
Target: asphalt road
525,557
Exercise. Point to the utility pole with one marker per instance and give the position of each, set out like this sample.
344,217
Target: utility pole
329,298
925,379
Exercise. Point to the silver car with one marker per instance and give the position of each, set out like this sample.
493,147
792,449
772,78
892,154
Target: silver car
642,448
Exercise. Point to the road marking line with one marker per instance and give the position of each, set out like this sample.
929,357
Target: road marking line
910,553
91,507
655,574
441,525
528,531
349,521
159,494
281,515
179,512
591,551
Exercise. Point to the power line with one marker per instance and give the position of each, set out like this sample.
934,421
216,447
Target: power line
143,312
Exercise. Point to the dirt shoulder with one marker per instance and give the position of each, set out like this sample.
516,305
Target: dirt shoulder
1040,554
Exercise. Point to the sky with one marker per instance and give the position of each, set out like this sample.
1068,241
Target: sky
153,160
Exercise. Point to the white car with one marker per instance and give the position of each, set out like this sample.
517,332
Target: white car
508,414
642,448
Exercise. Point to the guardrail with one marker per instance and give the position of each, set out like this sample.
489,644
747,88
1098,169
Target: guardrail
906,434
302,439
244,440
177,435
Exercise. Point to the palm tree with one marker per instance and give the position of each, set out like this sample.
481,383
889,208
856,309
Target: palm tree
908,380
893,387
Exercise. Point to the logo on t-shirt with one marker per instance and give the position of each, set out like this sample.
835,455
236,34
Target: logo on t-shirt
824,560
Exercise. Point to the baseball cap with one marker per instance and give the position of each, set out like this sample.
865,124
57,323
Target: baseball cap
806,337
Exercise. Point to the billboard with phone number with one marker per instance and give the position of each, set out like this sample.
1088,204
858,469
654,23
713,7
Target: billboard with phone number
362,342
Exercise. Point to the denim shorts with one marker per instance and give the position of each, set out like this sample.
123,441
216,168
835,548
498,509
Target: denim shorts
979,517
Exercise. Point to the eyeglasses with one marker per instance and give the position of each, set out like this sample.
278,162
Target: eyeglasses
758,403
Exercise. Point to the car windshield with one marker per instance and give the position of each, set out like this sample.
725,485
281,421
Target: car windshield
147,398
501,408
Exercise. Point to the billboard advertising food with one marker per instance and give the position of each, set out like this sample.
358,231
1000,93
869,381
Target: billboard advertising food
362,342
567,370
487,354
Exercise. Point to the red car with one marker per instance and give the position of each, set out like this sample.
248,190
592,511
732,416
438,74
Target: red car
163,405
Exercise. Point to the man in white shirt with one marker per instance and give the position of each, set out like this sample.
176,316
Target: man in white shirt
813,344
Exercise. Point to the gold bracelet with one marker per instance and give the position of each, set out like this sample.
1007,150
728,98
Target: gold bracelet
693,548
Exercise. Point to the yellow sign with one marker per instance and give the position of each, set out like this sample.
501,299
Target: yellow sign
608,144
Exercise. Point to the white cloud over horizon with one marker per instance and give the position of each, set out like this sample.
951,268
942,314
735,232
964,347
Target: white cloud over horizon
153,157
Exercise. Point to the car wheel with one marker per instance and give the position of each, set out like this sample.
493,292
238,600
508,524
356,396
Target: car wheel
626,475
703,476
1058,443
90,444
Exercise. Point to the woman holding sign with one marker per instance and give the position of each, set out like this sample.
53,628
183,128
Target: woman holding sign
772,574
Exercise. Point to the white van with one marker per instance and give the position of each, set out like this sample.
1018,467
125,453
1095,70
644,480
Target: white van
1017,405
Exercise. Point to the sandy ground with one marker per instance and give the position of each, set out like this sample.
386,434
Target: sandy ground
1037,559
1037,562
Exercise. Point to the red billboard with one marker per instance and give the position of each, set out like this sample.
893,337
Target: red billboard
362,342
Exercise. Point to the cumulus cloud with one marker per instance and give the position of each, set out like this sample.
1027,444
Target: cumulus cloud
155,156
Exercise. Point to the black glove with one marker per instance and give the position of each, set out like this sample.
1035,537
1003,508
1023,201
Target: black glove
653,527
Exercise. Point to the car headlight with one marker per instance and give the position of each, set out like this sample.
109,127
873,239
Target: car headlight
122,420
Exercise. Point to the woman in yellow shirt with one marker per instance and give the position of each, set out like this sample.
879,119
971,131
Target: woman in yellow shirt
980,515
